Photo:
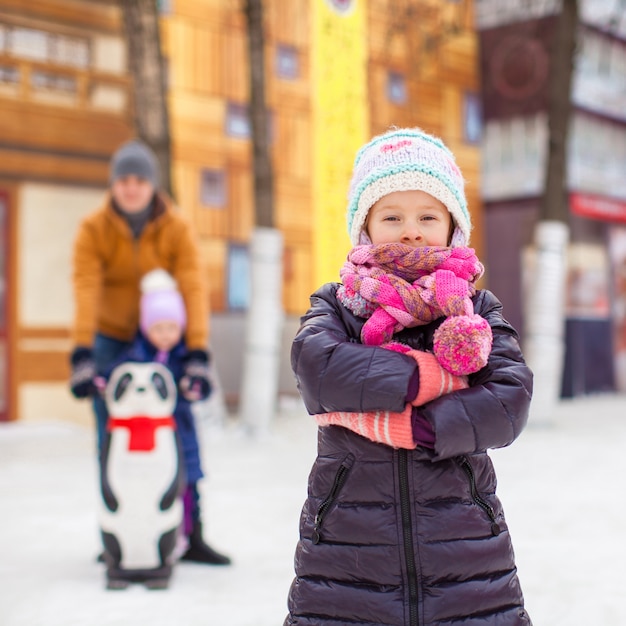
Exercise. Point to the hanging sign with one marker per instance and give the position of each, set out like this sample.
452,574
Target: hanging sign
598,207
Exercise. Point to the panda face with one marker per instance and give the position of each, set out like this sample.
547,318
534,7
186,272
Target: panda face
141,389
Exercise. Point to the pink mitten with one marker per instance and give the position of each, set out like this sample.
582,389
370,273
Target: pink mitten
392,429
434,380
463,342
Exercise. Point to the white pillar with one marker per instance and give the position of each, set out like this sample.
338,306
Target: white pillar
263,332
544,345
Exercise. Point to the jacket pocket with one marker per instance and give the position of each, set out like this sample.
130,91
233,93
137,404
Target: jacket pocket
339,481
478,500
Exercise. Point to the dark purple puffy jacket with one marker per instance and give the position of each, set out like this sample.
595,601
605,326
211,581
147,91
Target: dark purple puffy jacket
405,537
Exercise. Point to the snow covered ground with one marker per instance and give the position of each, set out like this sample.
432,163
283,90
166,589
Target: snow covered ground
562,488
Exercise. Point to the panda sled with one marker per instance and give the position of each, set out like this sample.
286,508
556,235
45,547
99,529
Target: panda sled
141,477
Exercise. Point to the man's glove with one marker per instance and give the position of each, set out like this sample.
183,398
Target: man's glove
83,373
195,383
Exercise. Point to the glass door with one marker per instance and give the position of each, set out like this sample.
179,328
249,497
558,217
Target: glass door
4,360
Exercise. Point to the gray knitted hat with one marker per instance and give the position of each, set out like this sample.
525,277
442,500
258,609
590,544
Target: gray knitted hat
134,157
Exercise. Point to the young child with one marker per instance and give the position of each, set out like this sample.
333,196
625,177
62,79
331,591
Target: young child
413,375
160,339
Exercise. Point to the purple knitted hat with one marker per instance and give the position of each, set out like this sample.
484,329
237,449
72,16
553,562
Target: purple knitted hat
160,300
407,159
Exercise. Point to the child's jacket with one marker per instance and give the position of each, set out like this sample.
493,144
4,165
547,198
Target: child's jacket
405,537
142,351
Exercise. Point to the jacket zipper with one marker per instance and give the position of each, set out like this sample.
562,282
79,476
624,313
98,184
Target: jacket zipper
477,499
338,483
407,534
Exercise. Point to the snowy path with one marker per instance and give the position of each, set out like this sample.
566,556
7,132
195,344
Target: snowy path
559,485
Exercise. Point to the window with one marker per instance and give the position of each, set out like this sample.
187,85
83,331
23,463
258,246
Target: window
68,51
238,287
213,188
165,6
342,7
287,62
9,74
28,43
396,88
472,118
237,121
44,81
38,45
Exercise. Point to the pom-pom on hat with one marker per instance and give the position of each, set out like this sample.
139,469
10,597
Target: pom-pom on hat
407,159
160,300
134,158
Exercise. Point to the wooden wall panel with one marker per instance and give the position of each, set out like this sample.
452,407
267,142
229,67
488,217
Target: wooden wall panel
241,206
208,71
212,222
293,206
387,37
183,185
428,106
459,63
238,152
288,93
381,110
61,128
213,252
298,285
210,11
235,66
194,54
198,141
95,15
295,236
207,221
452,115
178,44
190,107
205,151
288,22
42,355
26,164
42,366
292,152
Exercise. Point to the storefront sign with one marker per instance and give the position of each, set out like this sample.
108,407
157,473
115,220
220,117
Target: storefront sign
598,207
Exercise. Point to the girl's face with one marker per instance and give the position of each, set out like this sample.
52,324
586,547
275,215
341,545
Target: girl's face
414,218
164,335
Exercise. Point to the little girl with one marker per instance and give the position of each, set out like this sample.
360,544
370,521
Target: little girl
162,323
413,375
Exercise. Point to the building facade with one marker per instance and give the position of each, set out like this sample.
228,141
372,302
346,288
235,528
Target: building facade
337,72
515,57
64,107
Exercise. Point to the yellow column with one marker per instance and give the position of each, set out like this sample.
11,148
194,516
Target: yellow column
340,123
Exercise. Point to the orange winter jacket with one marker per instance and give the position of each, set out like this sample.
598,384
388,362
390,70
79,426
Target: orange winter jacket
108,264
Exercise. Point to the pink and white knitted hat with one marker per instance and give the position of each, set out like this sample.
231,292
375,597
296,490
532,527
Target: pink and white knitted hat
160,300
407,159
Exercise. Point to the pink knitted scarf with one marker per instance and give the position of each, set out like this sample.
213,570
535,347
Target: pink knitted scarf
396,286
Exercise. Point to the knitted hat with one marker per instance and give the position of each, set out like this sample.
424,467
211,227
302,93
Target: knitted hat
160,300
406,159
134,157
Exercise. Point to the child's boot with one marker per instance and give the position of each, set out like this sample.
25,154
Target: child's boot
198,551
